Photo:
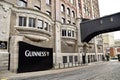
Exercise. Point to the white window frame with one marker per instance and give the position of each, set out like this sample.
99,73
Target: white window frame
40,24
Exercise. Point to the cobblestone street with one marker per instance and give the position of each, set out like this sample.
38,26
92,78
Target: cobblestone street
99,71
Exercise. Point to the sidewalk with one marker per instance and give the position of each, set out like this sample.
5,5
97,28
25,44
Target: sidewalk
8,75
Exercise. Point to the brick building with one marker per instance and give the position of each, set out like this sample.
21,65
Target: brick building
50,24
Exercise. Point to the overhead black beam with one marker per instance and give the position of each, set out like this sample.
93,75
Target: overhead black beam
91,28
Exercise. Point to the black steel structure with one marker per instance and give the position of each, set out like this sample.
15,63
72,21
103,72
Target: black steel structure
91,28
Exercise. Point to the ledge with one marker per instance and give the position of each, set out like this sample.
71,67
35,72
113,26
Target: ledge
36,38
33,34
28,30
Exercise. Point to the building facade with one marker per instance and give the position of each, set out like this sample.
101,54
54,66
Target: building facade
50,24
108,40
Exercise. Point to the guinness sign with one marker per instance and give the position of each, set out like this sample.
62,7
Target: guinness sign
34,58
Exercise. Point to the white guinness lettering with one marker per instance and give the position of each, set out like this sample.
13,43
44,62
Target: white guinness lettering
36,53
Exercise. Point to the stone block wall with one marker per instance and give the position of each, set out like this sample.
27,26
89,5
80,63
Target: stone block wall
4,61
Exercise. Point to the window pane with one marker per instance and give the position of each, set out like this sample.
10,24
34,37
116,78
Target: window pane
63,20
22,21
76,58
22,3
64,59
31,22
48,2
73,34
48,13
69,21
40,24
68,11
69,33
46,26
62,8
72,1
36,7
73,14
70,58
63,32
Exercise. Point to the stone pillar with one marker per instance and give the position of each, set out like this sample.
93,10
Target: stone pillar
4,58
5,14
96,49
14,52
58,57
104,52
80,45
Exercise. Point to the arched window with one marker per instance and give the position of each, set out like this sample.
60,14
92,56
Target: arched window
48,13
37,7
22,3
68,11
62,8
73,14
37,4
63,20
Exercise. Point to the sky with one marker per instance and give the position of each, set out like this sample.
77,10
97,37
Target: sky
108,7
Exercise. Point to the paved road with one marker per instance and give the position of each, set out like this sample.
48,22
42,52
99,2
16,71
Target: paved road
100,71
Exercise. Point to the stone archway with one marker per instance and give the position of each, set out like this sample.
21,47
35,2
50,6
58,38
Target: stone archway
91,28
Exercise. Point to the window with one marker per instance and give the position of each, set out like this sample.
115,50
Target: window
37,7
40,24
22,3
68,11
64,59
31,22
69,21
48,2
75,58
73,14
63,20
62,8
63,32
22,21
73,23
46,26
48,13
79,4
70,58
69,33
72,1
73,34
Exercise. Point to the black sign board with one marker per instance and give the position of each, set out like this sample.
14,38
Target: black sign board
3,44
34,58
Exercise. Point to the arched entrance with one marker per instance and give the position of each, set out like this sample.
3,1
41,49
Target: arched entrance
91,28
